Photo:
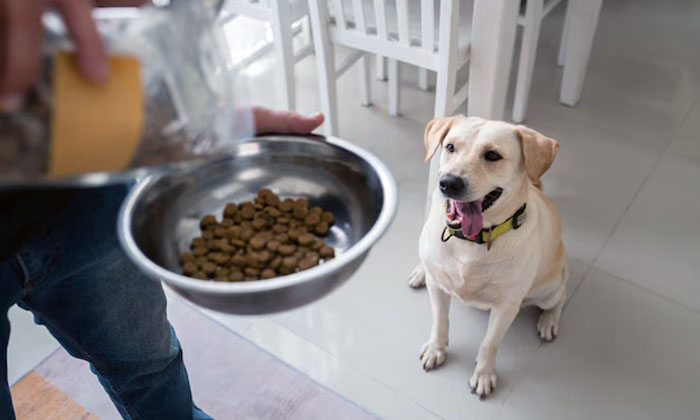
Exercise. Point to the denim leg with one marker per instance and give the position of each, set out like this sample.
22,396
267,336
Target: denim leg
103,310
10,292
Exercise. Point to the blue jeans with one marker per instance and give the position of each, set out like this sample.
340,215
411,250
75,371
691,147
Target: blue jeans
77,282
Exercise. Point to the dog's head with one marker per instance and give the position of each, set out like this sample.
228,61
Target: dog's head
483,163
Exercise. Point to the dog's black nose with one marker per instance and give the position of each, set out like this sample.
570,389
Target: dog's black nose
452,186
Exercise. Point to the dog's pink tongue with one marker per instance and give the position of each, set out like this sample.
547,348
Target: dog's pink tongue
471,217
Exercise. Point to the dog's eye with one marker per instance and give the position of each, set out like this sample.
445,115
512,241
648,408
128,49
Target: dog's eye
492,156
450,147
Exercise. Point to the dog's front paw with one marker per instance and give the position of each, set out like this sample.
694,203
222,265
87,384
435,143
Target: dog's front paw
432,355
417,278
548,325
483,381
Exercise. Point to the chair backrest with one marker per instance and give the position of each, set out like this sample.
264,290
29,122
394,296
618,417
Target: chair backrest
385,28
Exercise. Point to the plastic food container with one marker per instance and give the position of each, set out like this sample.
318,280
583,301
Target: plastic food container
194,105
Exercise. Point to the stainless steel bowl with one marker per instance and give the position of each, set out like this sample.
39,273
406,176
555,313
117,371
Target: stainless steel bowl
161,215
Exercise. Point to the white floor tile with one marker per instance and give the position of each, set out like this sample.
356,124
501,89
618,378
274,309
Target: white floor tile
29,344
622,353
656,243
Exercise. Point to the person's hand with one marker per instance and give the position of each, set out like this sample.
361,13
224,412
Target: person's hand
21,36
268,121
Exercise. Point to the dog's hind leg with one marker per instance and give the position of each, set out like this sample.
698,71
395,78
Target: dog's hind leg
417,278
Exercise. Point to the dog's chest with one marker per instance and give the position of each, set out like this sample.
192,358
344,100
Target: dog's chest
474,275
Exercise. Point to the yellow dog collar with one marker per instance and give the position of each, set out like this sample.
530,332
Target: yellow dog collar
487,236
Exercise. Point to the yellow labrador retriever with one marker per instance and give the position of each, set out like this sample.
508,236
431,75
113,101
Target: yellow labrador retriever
492,239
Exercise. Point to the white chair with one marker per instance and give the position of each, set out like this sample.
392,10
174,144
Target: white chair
287,18
367,28
531,21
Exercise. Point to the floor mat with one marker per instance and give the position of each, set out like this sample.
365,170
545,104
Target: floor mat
231,379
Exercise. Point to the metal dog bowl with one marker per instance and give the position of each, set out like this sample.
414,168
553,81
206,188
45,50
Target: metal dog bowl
161,215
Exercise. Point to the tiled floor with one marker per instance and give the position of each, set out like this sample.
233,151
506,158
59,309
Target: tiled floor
627,181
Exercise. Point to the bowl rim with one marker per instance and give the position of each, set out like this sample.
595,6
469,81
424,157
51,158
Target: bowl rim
150,268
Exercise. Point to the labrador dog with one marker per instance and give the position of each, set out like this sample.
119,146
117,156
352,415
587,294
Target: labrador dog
492,238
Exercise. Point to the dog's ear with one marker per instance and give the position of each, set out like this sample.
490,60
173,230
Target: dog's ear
435,133
538,152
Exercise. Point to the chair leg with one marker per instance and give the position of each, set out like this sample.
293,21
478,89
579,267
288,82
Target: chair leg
380,67
394,88
581,31
423,82
325,65
528,53
365,93
284,53
561,57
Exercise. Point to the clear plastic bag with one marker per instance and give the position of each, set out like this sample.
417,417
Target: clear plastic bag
196,105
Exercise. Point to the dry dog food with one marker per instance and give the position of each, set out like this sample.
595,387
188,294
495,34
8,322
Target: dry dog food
257,240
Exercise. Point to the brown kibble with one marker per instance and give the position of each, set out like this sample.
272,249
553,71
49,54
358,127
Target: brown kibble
208,234
312,254
282,238
283,220
222,271
286,270
312,219
221,278
201,260
200,275
257,243
272,211
305,239
276,262
316,244
316,209
209,268
189,268
247,213
230,210
290,262
273,246
307,263
208,220
322,229
272,200
286,205
219,232
268,273
300,212
238,260
258,223
236,276
200,251
222,259
238,243
252,272
294,223
328,217
264,256
197,242
227,223
234,231
237,218
327,252
246,234
301,202
265,192
279,228
286,249
186,257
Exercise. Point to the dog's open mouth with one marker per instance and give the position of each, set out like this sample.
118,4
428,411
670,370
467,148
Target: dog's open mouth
467,216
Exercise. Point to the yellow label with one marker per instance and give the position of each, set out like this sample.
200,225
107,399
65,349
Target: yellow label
95,128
